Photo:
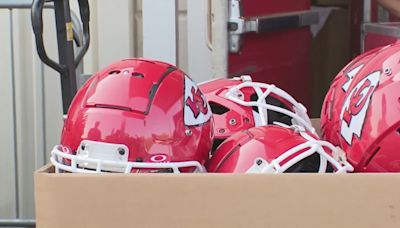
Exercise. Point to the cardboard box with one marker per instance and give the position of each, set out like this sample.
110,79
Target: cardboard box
216,200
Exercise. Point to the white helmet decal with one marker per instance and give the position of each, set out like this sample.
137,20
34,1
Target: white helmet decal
355,107
197,110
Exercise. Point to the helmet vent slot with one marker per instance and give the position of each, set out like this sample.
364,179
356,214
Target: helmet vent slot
218,109
113,107
114,72
137,75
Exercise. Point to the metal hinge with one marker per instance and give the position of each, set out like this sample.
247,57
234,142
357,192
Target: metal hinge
238,25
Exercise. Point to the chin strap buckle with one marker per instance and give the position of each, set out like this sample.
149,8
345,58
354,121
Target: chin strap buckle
262,166
245,78
339,155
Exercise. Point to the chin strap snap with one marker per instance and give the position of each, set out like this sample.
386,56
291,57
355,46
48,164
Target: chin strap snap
262,166
246,78
339,155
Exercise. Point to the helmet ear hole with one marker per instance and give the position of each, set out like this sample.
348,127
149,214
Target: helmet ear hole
218,109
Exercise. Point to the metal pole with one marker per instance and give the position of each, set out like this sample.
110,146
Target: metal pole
65,51
366,19
367,11
14,110
21,4
17,223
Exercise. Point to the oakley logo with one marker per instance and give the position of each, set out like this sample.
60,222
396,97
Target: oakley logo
159,158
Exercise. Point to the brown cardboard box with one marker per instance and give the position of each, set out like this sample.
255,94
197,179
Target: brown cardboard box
216,200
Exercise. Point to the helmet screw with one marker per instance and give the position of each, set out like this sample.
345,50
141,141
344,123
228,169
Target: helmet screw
188,132
247,120
232,122
221,130
83,147
121,151
259,162
240,95
388,71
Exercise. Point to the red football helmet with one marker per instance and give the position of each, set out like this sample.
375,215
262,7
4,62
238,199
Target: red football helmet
238,104
337,93
361,111
277,149
136,115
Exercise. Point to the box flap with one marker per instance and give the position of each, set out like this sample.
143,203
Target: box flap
49,168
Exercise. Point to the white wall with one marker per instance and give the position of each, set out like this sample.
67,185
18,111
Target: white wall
7,174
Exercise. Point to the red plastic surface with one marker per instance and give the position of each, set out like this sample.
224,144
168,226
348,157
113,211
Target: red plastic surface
119,106
376,40
375,147
238,153
281,57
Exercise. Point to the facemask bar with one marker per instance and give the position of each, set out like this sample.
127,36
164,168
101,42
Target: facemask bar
299,115
57,157
338,160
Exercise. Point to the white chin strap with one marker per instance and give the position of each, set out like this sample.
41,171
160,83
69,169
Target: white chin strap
91,163
337,160
299,114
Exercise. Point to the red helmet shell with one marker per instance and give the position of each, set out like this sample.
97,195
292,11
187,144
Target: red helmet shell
281,148
337,94
229,117
239,104
151,107
365,120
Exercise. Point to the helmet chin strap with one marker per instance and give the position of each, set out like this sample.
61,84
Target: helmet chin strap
260,166
338,155
296,128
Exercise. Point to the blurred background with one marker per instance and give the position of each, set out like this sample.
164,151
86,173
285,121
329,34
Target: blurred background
299,45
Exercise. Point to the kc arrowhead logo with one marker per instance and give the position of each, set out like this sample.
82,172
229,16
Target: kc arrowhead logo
356,106
197,110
